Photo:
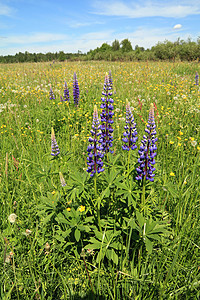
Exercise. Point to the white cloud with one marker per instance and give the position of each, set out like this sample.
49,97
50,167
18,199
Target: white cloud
5,10
100,35
84,24
33,39
147,9
177,26
64,43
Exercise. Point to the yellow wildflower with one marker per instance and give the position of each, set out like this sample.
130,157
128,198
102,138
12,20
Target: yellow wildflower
172,174
81,208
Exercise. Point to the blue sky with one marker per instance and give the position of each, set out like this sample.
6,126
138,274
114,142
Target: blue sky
69,26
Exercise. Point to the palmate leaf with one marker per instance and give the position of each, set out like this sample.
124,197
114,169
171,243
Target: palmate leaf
78,178
113,161
151,230
148,244
106,243
106,193
126,190
111,254
77,185
110,176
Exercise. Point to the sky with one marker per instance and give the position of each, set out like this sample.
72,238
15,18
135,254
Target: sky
71,26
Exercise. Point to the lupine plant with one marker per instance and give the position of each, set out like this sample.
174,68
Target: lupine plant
75,90
147,150
106,117
66,92
145,170
130,133
197,78
51,94
110,79
95,155
54,146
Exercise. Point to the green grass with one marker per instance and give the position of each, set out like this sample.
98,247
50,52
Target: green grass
143,243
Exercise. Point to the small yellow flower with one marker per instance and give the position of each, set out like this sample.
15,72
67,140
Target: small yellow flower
198,148
172,174
68,209
180,132
81,208
171,142
53,192
179,144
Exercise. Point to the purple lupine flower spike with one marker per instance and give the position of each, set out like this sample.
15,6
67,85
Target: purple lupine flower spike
130,134
95,155
51,94
75,90
106,117
110,79
147,150
197,79
54,146
66,92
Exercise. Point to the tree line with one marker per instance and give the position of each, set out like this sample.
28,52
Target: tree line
119,51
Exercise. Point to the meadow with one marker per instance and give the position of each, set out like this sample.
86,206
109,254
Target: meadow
68,235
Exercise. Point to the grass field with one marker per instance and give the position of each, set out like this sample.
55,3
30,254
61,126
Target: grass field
67,235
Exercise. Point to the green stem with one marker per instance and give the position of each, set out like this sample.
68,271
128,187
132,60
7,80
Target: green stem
98,215
95,185
98,203
128,162
143,193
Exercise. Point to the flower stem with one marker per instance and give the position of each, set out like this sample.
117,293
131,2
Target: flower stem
98,202
128,162
95,185
143,193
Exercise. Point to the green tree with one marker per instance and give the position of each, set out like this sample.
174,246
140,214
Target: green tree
61,56
126,45
115,45
105,47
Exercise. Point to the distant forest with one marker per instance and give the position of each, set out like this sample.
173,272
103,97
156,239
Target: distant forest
179,50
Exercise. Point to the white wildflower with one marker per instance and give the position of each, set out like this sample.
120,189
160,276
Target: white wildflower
193,143
12,218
